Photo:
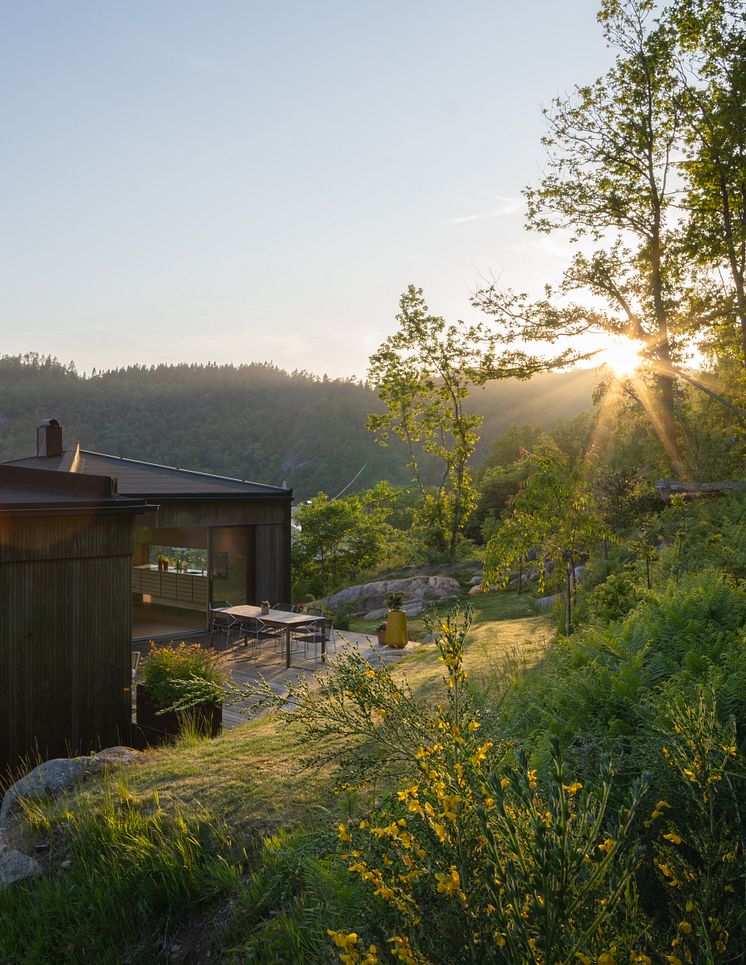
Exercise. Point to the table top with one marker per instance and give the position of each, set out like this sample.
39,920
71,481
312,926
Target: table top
278,618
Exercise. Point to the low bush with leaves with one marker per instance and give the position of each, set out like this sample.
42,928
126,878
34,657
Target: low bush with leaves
185,675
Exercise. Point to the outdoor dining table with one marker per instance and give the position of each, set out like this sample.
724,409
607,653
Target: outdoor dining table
278,618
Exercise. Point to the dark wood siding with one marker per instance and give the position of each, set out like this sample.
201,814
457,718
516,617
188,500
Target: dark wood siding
243,511
65,632
273,564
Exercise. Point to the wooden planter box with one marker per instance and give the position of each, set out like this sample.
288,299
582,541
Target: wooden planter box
162,726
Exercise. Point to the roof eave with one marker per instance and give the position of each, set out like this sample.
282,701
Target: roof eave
131,507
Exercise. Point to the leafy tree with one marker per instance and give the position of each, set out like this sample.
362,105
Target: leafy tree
711,35
423,373
341,538
611,182
555,516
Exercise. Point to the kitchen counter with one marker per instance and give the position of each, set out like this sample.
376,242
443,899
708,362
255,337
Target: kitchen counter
189,587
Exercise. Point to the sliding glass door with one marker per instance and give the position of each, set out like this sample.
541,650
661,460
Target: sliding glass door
232,564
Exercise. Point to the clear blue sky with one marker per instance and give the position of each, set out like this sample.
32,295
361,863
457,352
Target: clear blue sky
239,181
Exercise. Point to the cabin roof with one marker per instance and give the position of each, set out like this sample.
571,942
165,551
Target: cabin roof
32,491
147,479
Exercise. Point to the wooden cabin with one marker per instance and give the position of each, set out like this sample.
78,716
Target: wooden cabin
66,545
217,538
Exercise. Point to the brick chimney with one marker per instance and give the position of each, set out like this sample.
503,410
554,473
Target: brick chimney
49,438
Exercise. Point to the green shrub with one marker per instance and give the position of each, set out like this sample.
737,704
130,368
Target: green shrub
609,601
591,689
298,890
186,672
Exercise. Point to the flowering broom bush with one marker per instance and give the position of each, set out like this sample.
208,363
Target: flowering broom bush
478,861
699,846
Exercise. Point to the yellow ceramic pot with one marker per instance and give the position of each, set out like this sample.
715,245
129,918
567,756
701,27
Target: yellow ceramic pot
396,629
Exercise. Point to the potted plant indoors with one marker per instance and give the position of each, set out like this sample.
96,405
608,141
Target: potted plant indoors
162,562
265,606
397,634
179,686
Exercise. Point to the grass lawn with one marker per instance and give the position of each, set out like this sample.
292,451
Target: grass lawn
251,774
137,839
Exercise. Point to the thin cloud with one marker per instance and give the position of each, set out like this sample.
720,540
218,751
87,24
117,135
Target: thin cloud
496,206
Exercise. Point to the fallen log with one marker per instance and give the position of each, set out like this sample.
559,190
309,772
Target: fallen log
666,488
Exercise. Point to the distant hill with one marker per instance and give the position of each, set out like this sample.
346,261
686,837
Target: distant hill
253,421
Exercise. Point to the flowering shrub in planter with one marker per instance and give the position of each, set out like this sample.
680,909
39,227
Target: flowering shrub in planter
179,685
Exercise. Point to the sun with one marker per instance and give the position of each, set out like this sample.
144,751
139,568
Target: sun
623,355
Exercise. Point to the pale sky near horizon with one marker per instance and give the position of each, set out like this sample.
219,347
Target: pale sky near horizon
259,181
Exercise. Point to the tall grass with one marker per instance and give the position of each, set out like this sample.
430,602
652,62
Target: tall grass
120,881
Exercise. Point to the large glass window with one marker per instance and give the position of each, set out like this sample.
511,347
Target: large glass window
230,564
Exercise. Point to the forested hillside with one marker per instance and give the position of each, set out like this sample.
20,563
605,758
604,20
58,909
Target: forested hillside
254,421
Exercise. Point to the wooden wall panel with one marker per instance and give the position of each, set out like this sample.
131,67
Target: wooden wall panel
64,537
273,564
216,512
65,641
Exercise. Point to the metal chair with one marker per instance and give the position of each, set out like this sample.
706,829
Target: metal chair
321,631
250,627
219,621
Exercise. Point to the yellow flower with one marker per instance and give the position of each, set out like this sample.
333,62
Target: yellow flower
342,939
343,833
607,845
572,788
672,837
402,951
685,927
504,782
532,782
449,883
441,832
640,957
690,906
674,960
481,753
473,725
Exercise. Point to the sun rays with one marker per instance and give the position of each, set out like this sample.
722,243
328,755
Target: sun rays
631,363
624,356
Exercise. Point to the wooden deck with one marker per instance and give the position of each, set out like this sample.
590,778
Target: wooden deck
247,664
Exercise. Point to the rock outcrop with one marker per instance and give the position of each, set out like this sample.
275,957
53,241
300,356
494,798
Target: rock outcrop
60,774
49,779
15,866
370,598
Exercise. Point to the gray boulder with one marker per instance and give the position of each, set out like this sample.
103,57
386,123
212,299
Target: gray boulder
62,773
49,778
475,580
546,602
371,597
15,866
